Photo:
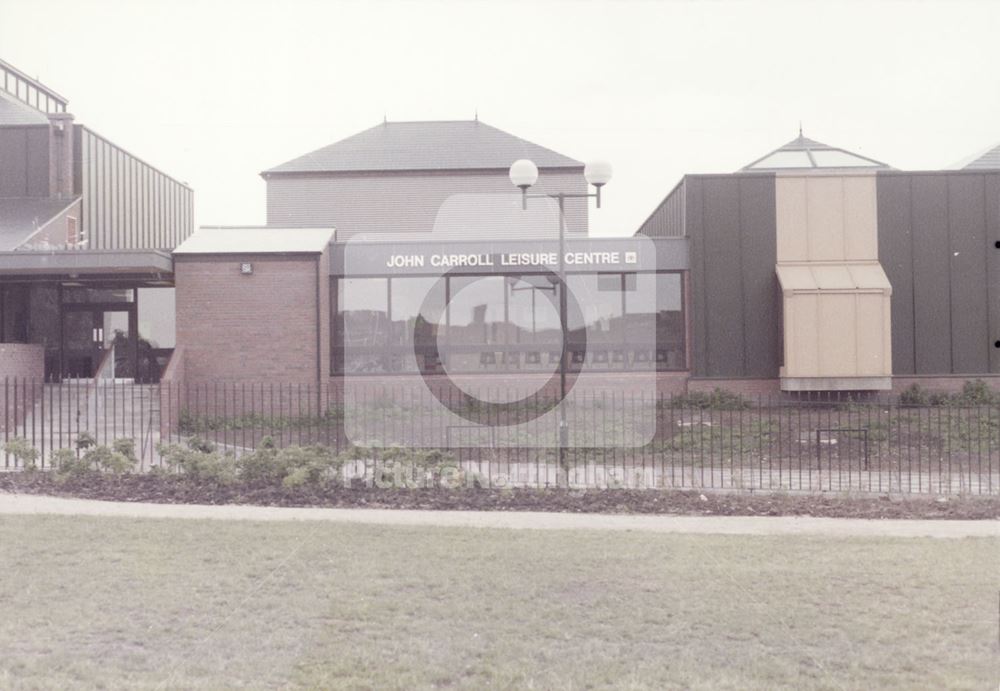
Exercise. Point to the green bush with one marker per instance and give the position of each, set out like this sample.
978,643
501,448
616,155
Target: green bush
294,466
402,464
915,396
200,461
261,466
85,440
108,460
719,399
974,393
67,464
22,450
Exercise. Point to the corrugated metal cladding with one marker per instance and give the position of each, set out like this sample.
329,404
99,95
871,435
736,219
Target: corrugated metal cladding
24,161
667,220
937,243
735,314
126,202
398,202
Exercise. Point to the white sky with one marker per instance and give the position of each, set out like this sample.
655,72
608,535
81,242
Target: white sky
214,91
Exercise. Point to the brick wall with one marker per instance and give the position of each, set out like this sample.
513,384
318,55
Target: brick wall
25,360
260,327
22,376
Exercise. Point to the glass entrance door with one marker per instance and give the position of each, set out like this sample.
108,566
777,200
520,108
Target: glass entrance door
81,348
90,334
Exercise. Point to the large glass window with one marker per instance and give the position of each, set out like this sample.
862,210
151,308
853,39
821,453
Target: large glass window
407,297
157,324
363,305
532,310
507,323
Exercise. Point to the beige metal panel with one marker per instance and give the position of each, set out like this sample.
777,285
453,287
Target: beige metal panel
832,277
793,277
791,219
825,218
802,336
837,334
870,276
836,322
836,295
872,360
860,218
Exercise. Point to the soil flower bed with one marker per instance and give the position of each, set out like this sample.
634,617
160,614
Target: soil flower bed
177,489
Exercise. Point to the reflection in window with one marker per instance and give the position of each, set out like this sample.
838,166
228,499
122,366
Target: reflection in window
73,295
408,296
532,310
156,311
363,305
599,298
633,321
476,310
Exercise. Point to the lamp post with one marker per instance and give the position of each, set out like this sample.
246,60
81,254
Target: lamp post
524,174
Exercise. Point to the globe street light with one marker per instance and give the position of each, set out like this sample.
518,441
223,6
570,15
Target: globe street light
524,174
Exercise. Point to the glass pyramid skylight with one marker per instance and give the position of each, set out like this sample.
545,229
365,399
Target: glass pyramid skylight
807,154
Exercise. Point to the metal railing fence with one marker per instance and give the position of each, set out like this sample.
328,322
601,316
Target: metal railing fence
618,439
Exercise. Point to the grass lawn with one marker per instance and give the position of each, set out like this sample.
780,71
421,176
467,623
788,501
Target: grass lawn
102,602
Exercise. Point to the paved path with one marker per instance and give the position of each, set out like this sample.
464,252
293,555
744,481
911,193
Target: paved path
725,525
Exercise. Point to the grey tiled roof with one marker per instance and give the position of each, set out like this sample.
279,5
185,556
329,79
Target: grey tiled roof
20,217
435,145
989,160
13,112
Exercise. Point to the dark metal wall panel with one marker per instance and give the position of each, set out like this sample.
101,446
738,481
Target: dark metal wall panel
970,347
931,289
735,310
937,235
725,337
895,251
695,229
761,296
992,212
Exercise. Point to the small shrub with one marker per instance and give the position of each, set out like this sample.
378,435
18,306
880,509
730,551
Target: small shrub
22,450
915,396
196,443
294,466
198,464
399,464
108,460
67,464
126,447
310,465
976,393
719,399
85,440
261,466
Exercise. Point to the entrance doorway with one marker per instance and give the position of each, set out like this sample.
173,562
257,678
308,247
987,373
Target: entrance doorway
99,335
